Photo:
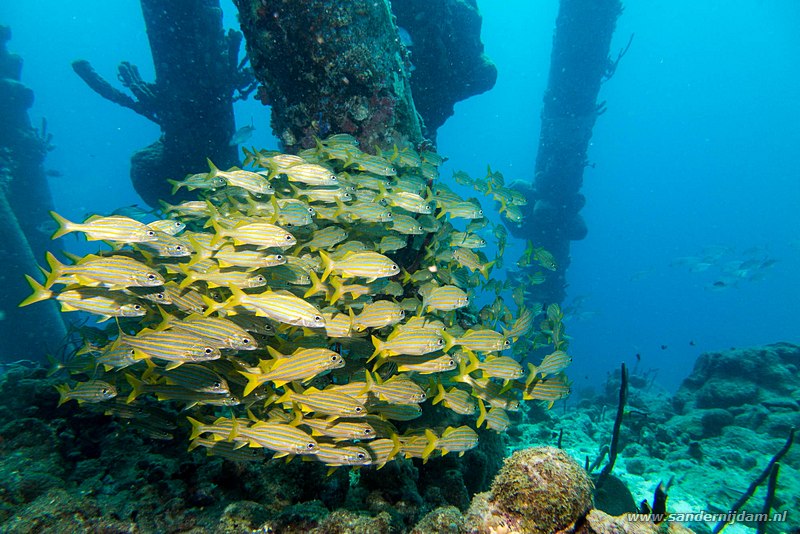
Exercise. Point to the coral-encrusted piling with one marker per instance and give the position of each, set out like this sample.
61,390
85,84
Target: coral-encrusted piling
24,202
447,55
198,77
329,67
579,64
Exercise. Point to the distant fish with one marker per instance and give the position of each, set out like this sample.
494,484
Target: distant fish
133,211
405,37
242,134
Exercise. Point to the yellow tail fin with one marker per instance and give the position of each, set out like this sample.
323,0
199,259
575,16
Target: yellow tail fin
39,292
64,226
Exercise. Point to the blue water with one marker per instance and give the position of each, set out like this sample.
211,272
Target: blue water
698,148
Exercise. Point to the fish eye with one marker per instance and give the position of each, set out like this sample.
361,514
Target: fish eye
394,267
506,343
440,341
208,350
178,224
289,237
402,313
367,431
178,248
216,385
451,362
104,391
334,358
419,228
333,178
160,296
137,307
480,212
151,233
360,456
389,215
132,352
317,319
245,341
261,278
392,169
311,446
311,210
278,257
151,276
359,409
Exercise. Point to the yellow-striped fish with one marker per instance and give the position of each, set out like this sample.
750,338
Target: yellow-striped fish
339,430
282,438
469,259
383,450
185,299
445,298
198,181
197,377
378,314
502,367
229,256
311,174
344,455
216,278
325,402
302,366
369,265
168,246
552,364
480,341
549,390
395,390
458,400
373,164
409,342
458,440
247,180
225,333
260,234
424,366
280,306
115,272
115,228
176,348
168,226
91,391
406,225
496,419
93,300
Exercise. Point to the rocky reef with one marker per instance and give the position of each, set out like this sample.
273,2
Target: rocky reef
708,442
71,469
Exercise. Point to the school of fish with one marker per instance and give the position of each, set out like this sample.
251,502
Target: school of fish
321,305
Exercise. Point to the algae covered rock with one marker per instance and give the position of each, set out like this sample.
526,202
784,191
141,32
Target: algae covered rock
538,490
598,522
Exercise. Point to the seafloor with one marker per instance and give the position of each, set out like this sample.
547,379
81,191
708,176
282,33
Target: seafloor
71,469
